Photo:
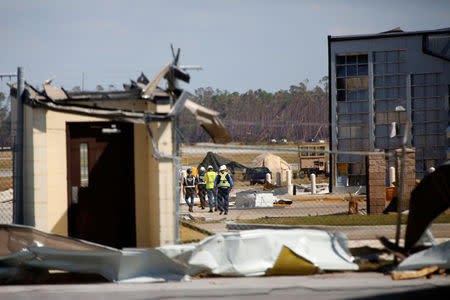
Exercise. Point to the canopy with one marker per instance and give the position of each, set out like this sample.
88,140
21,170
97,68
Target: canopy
216,161
273,162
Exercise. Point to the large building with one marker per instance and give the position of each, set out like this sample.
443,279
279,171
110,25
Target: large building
378,84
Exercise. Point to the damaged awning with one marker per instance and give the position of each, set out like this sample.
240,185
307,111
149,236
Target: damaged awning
24,249
209,120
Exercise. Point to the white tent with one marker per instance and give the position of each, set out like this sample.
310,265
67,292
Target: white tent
274,163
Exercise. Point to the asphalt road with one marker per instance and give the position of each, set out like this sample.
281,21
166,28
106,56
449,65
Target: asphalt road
325,286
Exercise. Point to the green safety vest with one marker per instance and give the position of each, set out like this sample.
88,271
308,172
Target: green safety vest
210,177
223,181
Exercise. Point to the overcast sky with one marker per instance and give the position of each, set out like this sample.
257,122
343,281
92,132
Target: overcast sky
241,45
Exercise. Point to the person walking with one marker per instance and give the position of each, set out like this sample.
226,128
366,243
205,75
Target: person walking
201,185
189,187
223,183
209,179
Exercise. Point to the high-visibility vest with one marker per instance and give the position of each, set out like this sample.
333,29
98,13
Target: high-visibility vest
189,181
210,177
223,180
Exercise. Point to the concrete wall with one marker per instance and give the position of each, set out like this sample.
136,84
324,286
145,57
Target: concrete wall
45,173
45,168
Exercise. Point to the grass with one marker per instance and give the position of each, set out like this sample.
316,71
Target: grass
6,183
341,220
190,233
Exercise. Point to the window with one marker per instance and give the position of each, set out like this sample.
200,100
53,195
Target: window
389,93
84,167
429,118
352,95
352,77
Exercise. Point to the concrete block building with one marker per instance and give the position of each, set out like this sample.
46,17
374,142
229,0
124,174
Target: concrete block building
97,165
380,86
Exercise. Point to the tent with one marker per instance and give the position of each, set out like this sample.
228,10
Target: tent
216,161
273,162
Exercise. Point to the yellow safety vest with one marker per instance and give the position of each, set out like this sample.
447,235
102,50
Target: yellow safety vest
210,177
223,181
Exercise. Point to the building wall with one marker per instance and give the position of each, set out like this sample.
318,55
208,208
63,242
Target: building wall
45,174
386,92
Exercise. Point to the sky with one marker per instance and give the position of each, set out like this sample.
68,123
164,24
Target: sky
241,45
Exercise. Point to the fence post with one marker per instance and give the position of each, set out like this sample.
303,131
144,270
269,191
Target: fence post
313,184
18,216
289,181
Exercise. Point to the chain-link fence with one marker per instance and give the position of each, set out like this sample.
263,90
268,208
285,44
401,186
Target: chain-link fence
6,186
286,202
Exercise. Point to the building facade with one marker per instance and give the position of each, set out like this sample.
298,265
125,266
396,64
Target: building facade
380,86
99,166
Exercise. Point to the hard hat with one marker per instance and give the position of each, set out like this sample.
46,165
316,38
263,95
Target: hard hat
222,168
210,167
189,171
202,169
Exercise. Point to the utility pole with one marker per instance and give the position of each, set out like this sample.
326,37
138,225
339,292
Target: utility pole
82,81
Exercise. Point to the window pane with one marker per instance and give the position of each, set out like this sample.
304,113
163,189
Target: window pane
379,69
363,94
362,59
418,80
341,96
351,70
351,59
352,96
364,82
392,56
363,70
392,68
379,93
352,83
379,57
340,60
417,92
340,71
341,84
379,81
84,169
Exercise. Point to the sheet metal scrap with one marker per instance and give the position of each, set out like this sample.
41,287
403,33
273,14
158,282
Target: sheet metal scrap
24,249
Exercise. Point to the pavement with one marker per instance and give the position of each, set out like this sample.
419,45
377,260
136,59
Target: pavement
368,285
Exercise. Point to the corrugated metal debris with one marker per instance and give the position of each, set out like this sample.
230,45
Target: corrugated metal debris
25,250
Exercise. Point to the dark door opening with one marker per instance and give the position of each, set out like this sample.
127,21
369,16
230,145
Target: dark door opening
100,167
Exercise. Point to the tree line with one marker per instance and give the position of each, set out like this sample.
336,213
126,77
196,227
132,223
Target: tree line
251,117
260,116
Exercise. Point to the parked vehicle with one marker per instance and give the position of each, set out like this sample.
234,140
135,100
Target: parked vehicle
257,175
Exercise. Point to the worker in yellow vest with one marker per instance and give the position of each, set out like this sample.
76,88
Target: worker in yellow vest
223,183
210,178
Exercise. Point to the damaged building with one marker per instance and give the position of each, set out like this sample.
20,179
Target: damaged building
100,166
379,83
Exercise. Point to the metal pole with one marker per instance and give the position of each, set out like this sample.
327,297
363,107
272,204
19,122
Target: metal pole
18,217
401,185
177,168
